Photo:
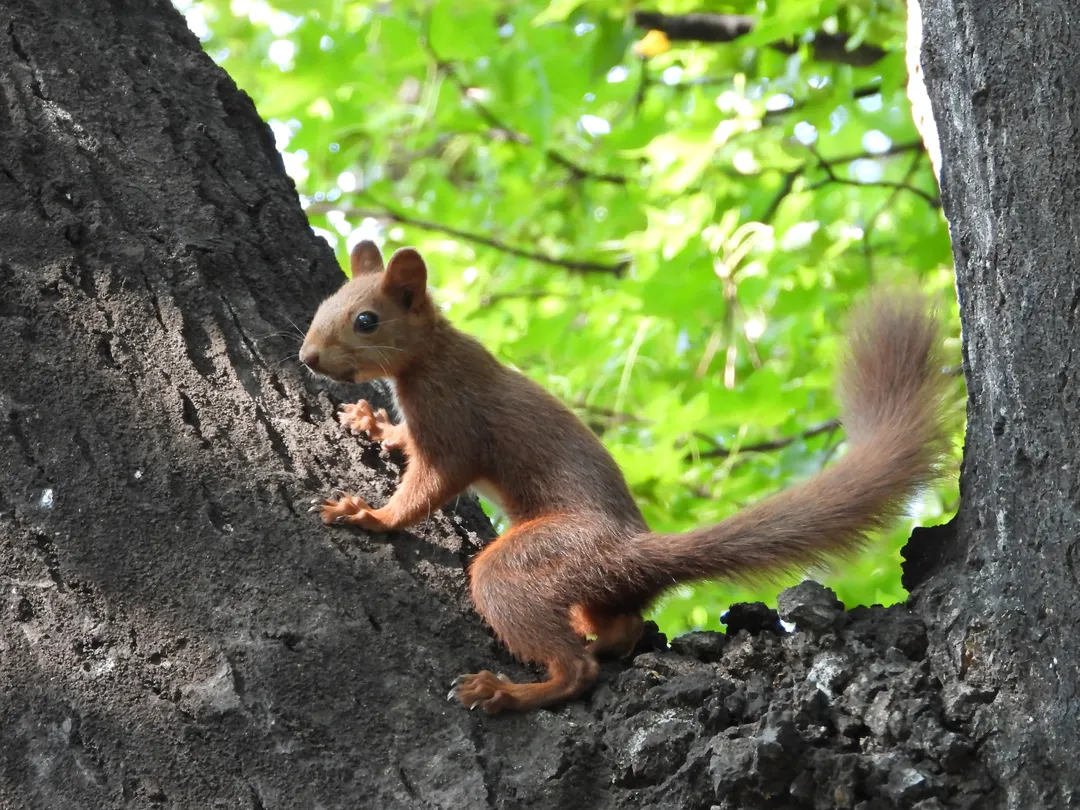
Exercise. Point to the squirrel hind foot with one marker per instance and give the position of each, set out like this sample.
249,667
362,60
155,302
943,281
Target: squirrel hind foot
496,693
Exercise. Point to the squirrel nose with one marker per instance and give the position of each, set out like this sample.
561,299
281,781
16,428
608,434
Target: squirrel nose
309,357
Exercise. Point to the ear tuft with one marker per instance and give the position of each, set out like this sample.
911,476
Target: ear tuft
365,258
405,279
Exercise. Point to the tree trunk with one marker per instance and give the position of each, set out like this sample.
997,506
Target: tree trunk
176,630
1003,606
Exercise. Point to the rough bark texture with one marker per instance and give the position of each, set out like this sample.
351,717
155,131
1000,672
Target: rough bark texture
176,631
1002,80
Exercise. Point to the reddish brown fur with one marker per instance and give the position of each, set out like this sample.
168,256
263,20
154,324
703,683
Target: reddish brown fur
579,560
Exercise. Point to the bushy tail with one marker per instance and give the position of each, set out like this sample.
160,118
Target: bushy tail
891,390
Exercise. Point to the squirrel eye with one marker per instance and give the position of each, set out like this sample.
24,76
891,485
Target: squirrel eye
366,322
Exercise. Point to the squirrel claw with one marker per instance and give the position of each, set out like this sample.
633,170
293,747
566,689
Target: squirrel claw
489,691
341,508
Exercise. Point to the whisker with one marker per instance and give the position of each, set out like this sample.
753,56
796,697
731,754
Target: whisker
299,331
392,348
276,364
382,365
268,335
390,320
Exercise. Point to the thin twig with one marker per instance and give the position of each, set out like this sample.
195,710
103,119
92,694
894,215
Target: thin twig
612,416
790,175
719,451
488,299
786,187
931,199
644,83
832,177
859,92
832,447
384,212
894,149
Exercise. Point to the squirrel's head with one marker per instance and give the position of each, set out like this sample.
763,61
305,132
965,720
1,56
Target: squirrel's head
377,323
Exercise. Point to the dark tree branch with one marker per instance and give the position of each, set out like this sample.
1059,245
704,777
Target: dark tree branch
696,27
579,172
786,187
613,417
833,48
610,416
895,149
931,199
709,81
729,27
866,91
790,174
644,83
719,451
832,177
521,295
388,214
856,94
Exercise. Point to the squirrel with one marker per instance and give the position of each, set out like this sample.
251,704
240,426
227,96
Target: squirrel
579,561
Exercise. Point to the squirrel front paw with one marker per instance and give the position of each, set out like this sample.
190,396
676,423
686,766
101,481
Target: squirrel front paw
360,418
352,510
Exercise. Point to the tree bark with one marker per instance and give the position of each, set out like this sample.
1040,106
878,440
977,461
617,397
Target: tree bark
1002,604
176,630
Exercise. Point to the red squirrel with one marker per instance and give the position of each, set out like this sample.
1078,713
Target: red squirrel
579,562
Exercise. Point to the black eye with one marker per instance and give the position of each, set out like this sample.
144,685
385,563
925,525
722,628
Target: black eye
366,322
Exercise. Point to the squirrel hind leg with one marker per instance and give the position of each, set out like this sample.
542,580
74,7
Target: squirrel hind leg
567,678
535,630
518,585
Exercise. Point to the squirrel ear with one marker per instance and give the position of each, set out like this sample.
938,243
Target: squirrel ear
405,279
365,258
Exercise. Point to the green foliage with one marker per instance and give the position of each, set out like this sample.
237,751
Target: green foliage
729,202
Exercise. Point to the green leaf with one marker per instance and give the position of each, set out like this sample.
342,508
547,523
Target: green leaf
609,47
459,29
557,11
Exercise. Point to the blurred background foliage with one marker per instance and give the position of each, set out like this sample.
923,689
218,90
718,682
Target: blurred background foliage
661,218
